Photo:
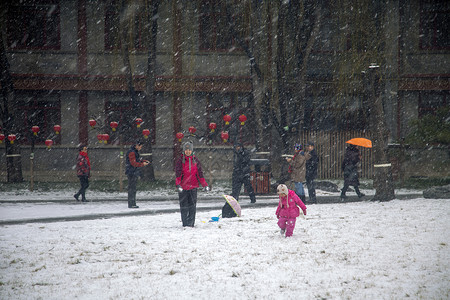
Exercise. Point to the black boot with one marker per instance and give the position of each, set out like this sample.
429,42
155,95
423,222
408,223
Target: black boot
360,195
76,197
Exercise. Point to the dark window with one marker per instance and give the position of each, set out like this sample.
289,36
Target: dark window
219,105
34,25
435,24
127,132
429,102
39,109
214,32
136,24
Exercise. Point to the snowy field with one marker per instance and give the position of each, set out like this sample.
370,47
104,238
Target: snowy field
365,250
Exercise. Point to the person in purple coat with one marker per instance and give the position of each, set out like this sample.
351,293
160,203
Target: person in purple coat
288,209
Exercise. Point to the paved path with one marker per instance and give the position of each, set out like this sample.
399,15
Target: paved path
59,210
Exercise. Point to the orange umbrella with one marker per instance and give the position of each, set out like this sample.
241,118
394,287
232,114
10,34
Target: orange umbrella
360,142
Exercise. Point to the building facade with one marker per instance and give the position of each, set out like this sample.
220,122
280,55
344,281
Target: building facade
68,68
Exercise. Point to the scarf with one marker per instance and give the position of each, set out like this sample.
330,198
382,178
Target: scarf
86,157
290,167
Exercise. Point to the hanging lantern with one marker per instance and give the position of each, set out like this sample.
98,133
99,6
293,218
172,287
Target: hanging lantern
224,135
105,138
100,138
212,126
138,122
12,138
57,129
242,118
2,137
92,122
48,143
35,130
114,125
179,136
227,119
192,130
146,133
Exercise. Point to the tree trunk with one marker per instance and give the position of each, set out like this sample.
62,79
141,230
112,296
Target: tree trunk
149,95
383,182
8,111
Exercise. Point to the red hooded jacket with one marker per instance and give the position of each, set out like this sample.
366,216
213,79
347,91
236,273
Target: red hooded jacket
188,172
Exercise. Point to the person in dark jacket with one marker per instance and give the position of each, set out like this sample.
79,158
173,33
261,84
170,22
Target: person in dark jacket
132,169
83,172
241,173
188,173
350,169
311,171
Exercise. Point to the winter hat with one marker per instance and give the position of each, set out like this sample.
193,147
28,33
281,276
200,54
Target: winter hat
310,144
188,145
298,147
282,189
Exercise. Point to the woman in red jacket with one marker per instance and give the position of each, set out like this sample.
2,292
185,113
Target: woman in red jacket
83,172
188,173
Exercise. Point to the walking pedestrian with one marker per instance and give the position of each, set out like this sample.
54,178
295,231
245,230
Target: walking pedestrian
241,173
297,168
288,210
83,172
311,171
188,173
133,165
352,158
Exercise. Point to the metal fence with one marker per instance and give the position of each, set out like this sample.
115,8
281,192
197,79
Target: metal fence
330,147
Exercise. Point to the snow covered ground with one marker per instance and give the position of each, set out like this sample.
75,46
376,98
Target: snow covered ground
364,250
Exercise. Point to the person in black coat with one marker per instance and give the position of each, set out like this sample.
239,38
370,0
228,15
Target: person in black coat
241,173
311,171
350,169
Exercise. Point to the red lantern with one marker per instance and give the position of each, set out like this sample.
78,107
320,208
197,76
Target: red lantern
146,133
113,125
12,138
100,138
224,135
242,118
227,119
105,138
212,126
192,130
35,129
48,143
138,122
179,136
2,137
57,129
92,122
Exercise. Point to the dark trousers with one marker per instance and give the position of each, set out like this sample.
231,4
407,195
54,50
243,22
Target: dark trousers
311,190
188,206
236,185
132,182
84,184
346,185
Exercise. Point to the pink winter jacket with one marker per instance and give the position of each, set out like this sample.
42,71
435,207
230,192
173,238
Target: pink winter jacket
188,172
287,206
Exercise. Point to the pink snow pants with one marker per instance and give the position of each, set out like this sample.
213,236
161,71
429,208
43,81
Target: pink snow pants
287,224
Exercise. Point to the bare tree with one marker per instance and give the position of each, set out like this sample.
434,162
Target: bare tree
146,108
8,108
298,21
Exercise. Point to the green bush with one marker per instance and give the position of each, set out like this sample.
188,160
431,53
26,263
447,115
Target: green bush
430,129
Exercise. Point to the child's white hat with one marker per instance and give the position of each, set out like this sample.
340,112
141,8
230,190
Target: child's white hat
282,189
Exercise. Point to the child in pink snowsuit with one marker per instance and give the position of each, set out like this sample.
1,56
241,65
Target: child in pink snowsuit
287,210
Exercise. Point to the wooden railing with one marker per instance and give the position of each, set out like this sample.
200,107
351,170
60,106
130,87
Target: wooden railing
330,147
